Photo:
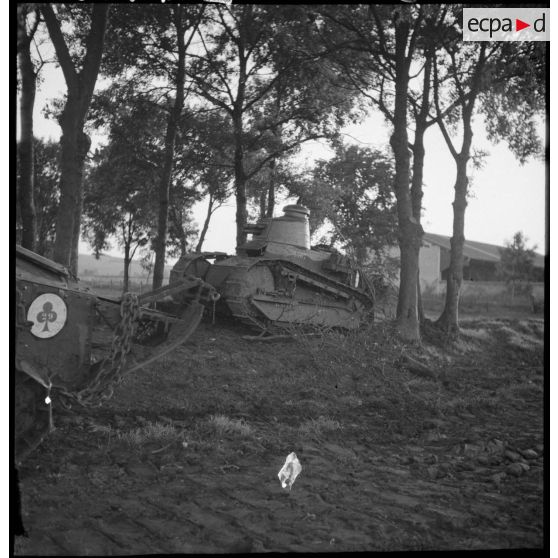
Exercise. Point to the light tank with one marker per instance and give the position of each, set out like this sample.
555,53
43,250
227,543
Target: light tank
277,279
73,345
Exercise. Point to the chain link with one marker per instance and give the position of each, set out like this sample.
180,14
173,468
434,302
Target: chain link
131,328
101,386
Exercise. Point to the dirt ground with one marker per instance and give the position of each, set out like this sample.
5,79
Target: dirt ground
184,457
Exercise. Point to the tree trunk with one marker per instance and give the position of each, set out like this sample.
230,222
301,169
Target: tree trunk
26,157
45,223
241,213
239,181
449,320
74,142
176,222
205,224
407,311
76,234
420,307
170,137
271,190
416,196
84,144
418,160
127,259
183,244
163,204
410,232
418,167
238,131
74,147
263,203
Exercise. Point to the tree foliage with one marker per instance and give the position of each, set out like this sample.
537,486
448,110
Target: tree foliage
352,192
124,177
258,65
516,265
120,185
46,194
513,100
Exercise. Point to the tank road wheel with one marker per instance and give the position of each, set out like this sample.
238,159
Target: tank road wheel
33,416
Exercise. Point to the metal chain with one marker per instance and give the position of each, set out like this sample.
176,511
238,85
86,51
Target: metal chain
101,387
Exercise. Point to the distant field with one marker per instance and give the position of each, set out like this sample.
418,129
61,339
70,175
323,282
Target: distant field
108,268
113,287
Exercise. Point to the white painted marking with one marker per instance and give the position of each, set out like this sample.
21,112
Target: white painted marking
48,313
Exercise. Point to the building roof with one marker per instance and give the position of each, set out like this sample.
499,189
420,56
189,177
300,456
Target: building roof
476,250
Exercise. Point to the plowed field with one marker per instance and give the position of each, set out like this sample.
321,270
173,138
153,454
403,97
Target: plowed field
184,457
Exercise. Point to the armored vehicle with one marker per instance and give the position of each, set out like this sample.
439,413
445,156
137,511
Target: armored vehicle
277,280
72,345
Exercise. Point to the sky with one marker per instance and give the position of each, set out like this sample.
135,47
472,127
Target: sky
505,196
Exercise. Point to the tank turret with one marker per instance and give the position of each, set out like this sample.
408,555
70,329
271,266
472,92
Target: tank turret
279,235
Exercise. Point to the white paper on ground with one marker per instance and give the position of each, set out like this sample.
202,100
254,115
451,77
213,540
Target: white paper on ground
289,471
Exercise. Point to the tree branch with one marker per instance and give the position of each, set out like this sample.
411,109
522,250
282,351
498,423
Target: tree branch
215,68
440,120
60,46
265,90
278,152
94,46
414,37
228,30
382,35
35,25
214,100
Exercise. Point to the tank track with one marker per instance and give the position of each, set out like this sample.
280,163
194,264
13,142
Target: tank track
318,281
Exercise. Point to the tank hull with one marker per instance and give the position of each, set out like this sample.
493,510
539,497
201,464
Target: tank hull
274,291
72,344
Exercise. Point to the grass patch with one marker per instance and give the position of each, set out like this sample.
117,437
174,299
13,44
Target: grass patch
533,327
316,427
521,340
345,352
481,333
223,425
150,432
